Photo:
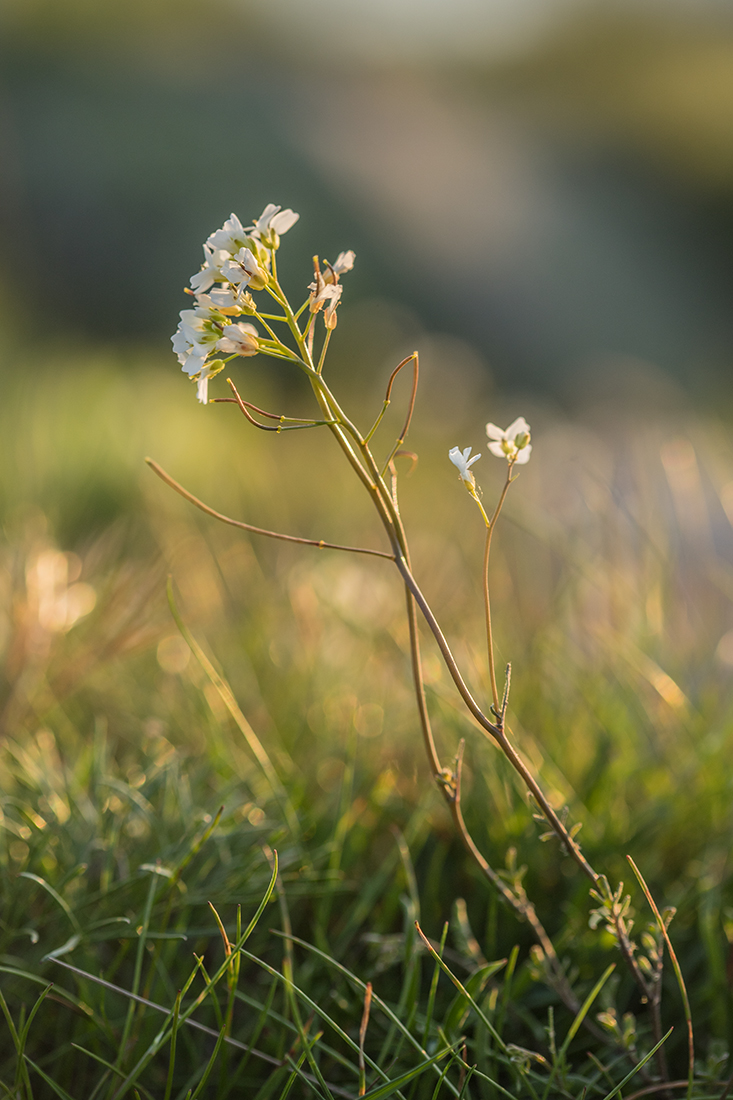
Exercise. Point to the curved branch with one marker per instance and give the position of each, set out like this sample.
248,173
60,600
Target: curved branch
259,530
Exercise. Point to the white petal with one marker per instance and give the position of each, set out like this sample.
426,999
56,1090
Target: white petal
497,449
523,455
457,458
344,262
474,459
517,426
202,390
262,225
494,433
194,364
202,280
283,221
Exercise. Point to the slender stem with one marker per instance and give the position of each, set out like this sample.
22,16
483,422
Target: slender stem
166,477
324,349
261,318
487,610
487,598
491,728
410,408
284,421
244,407
522,905
388,399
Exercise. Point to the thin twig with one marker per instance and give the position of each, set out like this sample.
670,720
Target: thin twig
306,421
505,698
294,425
410,408
320,543
388,395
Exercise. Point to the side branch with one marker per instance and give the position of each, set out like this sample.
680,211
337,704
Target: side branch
259,530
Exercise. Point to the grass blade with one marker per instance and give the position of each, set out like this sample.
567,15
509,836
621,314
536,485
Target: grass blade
677,974
640,1065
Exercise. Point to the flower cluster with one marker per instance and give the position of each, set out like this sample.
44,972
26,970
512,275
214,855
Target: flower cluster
239,259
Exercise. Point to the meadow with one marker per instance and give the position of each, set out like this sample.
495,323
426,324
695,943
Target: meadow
164,785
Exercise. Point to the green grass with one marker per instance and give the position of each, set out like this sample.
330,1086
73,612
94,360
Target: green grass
612,583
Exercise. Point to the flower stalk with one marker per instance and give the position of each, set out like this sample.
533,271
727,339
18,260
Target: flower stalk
241,261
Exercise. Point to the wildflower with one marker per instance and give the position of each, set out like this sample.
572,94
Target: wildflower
230,238
228,300
461,459
211,270
344,262
272,222
243,270
239,339
197,335
324,292
513,443
329,313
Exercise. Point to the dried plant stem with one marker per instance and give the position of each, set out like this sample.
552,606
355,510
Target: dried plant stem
319,543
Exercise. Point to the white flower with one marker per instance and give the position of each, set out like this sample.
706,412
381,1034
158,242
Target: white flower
329,313
197,336
461,459
239,339
272,222
323,293
227,299
512,444
231,237
243,270
211,272
344,262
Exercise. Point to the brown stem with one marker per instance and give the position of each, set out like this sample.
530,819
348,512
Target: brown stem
166,477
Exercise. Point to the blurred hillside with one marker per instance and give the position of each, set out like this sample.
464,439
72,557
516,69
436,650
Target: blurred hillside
565,204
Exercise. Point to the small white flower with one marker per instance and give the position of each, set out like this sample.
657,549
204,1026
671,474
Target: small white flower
239,339
243,270
344,262
197,336
329,313
323,294
512,443
231,237
461,459
272,223
227,300
211,271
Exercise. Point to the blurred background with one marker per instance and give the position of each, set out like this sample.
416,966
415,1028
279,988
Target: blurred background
550,180
540,197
